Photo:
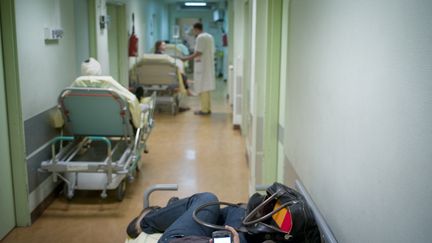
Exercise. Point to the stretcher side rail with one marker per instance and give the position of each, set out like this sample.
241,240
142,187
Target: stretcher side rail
157,187
151,238
56,165
143,133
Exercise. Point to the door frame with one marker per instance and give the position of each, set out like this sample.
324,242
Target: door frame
122,42
271,114
14,111
91,8
7,206
282,94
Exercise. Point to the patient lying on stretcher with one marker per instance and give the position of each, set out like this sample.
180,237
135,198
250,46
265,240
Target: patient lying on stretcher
160,48
161,73
91,78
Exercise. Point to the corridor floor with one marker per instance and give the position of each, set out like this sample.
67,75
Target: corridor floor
198,153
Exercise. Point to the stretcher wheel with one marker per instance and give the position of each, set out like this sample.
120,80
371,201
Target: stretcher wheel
130,178
174,109
68,194
121,190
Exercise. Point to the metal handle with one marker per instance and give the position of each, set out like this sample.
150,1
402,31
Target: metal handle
157,187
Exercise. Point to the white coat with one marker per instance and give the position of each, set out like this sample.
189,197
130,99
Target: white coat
204,70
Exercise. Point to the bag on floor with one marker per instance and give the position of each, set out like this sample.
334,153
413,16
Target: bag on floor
280,216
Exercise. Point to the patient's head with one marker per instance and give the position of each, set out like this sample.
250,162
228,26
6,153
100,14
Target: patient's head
159,47
91,67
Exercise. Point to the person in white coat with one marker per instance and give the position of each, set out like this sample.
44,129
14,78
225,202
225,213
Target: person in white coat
204,72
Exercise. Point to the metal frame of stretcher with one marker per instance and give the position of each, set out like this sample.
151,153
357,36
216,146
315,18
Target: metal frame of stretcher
103,149
151,238
162,78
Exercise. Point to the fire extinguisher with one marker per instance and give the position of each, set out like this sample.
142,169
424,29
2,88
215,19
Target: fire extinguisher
224,38
133,40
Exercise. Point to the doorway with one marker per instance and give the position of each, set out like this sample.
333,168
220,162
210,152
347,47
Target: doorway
185,25
7,208
117,43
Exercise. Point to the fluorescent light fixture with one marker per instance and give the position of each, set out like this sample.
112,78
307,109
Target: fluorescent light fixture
195,4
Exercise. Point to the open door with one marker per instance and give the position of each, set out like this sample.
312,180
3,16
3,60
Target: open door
185,26
117,43
7,208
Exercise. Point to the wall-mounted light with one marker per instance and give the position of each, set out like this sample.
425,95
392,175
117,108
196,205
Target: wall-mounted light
195,4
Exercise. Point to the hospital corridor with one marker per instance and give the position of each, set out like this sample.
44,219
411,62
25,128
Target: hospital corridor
242,121
197,154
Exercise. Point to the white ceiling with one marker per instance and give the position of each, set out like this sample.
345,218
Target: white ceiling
214,2
182,1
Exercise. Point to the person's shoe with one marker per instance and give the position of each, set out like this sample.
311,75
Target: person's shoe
172,199
134,228
202,113
183,109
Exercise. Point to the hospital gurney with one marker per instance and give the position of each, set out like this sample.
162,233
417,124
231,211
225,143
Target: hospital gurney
325,233
103,148
161,74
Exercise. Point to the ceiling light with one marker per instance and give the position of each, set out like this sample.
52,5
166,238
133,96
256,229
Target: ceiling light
195,4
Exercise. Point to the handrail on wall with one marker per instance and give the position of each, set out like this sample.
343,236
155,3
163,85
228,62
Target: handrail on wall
325,230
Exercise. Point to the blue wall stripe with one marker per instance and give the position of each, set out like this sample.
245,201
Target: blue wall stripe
38,132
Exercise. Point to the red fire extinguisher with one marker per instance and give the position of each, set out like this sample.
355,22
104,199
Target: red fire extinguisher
224,38
133,40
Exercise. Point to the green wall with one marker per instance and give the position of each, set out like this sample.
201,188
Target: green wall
117,43
261,88
113,42
258,100
15,120
45,68
271,115
55,60
82,39
7,207
281,168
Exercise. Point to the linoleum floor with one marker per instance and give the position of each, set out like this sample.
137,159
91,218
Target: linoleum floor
199,153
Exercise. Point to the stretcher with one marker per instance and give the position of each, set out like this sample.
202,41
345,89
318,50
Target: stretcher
326,234
160,73
102,149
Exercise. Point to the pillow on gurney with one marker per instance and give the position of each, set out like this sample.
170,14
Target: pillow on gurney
160,59
107,82
159,69
176,49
